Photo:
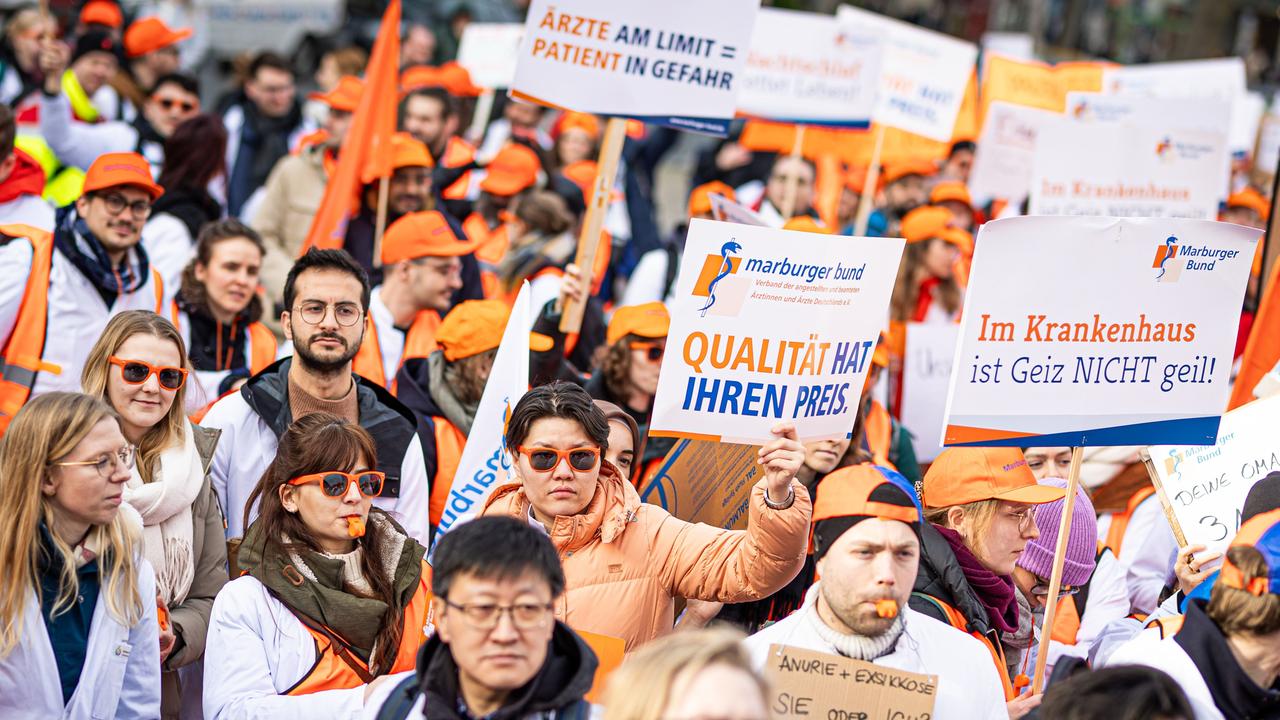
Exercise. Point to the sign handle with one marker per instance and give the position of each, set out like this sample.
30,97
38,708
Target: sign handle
1145,455
480,118
1055,579
615,133
384,188
869,188
793,184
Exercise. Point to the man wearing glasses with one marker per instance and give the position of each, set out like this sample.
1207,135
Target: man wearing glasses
326,299
498,650
58,291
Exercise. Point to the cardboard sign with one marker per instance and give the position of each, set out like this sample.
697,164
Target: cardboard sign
770,325
609,653
804,68
669,62
926,375
1086,168
1043,361
488,51
1206,485
1004,162
807,684
923,73
706,482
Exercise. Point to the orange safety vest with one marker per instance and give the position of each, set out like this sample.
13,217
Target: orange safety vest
419,341
1120,520
1066,622
338,668
1169,625
262,342
879,433
22,357
458,152
491,247
449,444
957,620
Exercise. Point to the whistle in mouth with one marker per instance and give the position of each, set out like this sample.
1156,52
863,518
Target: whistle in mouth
887,608
355,526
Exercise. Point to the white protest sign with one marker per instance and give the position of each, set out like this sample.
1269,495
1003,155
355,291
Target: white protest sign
1206,485
926,375
1122,170
770,325
923,73
1018,46
1246,114
804,68
807,684
1267,156
670,62
1043,360
485,463
1220,78
722,208
1161,113
488,51
1005,159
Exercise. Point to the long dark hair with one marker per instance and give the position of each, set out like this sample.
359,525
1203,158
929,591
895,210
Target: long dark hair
193,292
194,154
316,443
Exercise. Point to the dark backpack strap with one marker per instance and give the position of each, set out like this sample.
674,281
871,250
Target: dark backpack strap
400,702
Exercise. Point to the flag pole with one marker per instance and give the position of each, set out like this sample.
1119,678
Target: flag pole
384,190
615,133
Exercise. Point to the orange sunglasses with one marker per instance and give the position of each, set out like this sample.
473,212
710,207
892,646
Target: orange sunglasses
336,484
543,459
136,372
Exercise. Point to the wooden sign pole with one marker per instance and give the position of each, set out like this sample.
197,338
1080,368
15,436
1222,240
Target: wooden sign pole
1145,455
793,183
384,191
1055,580
615,133
865,203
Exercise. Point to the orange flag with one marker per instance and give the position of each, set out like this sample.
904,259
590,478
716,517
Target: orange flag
1262,350
366,150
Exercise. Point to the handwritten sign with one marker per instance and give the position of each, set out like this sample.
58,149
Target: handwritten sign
670,62
1206,485
926,374
706,482
770,325
807,684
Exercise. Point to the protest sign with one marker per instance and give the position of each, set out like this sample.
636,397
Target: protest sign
485,463
1246,114
1162,113
1004,162
770,325
1267,155
1043,361
488,51
1019,46
923,73
804,68
808,684
669,62
701,481
926,374
1220,77
1206,485
1032,84
1086,168
722,208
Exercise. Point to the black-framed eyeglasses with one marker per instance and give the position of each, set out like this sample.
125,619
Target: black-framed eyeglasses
106,464
1041,589
485,616
345,313
116,203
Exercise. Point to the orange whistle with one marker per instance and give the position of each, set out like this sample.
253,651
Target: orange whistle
887,608
162,615
355,526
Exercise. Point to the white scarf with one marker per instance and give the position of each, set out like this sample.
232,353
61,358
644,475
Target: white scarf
167,525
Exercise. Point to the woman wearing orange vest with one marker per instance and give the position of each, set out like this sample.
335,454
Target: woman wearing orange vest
218,311
333,593
979,506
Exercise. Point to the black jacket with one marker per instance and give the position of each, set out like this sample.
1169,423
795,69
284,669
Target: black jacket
940,576
1235,695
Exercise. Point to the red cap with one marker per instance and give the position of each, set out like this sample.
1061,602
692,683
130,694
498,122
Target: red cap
512,170
963,475
120,169
101,12
344,96
150,34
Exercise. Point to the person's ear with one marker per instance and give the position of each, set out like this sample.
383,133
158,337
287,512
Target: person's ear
440,618
82,205
287,499
955,518
285,325
49,485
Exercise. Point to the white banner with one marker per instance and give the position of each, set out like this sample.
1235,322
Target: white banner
926,375
485,463
1113,170
1127,341
1005,159
1206,485
1160,113
488,51
803,68
770,325
671,62
923,73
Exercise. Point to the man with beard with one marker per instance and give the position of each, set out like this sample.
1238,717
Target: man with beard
326,303
866,541
904,191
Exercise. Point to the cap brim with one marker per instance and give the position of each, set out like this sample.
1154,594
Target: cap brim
501,185
540,343
1033,494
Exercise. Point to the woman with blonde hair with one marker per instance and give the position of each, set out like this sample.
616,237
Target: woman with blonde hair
139,366
78,630
696,674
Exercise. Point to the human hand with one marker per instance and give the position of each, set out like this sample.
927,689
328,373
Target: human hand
1023,704
781,459
732,156
1190,567
53,58
167,641
572,287
697,613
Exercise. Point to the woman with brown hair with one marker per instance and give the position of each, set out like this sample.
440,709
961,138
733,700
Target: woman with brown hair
927,289
333,594
139,366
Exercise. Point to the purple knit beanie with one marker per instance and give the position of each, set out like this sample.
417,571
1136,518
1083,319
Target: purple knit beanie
1082,545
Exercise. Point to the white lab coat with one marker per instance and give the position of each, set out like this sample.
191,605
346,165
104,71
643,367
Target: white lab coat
28,210
1149,650
1147,553
968,687
121,675
1108,601
248,446
257,649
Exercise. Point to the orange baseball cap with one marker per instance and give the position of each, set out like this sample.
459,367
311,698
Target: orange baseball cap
345,96
150,34
969,474
422,234
895,172
931,221
121,169
700,198
457,80
408,151
583,174
420,76
101,12
804,223
650,320
860,492
475,326
1251,199
512,170
950,191
570,120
